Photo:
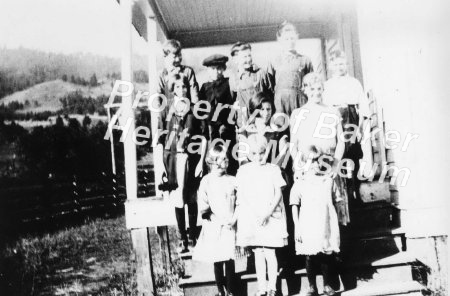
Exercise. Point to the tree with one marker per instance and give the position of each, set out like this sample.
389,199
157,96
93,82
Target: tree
93,80
59,121
64,77
72,79
86,121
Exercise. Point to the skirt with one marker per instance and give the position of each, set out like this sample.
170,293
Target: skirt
216,243
182,183
319,227
272,234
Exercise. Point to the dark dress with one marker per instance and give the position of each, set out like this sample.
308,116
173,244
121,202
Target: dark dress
215,93
175,138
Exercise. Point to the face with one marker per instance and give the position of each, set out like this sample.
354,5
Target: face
314,93
244,58
215,72
173,59
257,154
266,112
339,66
220,166
288,40
234,60
180,89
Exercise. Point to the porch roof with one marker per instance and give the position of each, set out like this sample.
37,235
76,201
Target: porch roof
215,22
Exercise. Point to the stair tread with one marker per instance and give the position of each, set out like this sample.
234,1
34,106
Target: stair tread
204,274
374,233
401,258
389,288
374,205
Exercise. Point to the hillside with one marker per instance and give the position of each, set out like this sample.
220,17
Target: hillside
21,68
45,96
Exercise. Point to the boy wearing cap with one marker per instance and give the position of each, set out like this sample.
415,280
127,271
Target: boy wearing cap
172,60
215,92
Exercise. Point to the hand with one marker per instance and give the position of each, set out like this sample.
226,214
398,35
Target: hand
298,236
163,176
199,170
264,219
207,216
230,223
241,138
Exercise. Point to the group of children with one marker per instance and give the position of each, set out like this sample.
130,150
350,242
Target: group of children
243,202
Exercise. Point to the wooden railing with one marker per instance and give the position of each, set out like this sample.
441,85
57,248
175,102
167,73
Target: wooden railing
94,195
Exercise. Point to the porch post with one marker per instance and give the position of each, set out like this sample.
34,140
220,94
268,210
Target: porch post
127,101
162,231
153,81
140,239
349,42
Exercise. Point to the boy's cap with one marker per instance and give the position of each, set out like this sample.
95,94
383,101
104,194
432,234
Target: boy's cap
215,60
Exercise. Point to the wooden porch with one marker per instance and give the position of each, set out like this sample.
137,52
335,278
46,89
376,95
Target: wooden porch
376,261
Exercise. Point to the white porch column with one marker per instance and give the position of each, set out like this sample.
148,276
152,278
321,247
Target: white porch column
139,236
127,101
152,81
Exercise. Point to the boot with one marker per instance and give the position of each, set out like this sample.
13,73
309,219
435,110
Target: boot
328,291
312,291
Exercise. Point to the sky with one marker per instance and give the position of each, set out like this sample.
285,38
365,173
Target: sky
66,26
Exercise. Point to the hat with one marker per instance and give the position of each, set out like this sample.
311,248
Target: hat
215,60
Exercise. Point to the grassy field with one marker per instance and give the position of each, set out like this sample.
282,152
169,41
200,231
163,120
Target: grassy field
92,259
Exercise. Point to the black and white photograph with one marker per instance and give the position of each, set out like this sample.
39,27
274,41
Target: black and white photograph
224,147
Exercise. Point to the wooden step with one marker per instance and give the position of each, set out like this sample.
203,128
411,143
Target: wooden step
352,274
373,248
374,215
347,233
410,288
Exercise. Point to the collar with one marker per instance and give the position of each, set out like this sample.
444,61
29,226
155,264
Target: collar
175,70
218,81
172,108
341,77
253,69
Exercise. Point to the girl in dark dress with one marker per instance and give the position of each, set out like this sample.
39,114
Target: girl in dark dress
184,141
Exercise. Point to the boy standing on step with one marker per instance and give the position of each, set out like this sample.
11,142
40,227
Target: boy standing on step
248,80
172,60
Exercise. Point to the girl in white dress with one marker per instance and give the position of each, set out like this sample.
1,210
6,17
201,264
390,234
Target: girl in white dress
261,222
216,200
315,218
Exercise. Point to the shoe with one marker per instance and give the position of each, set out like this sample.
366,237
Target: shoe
183,248
272,293
312,292
328,291
278,293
